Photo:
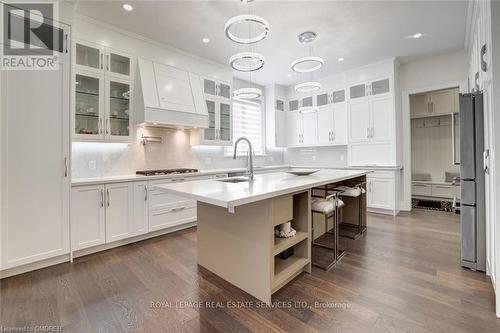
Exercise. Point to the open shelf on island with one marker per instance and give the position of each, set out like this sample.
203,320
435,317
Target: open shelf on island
286,269
281,244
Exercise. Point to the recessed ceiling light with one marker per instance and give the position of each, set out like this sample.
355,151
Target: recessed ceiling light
415,36
340,59
128,7
206,40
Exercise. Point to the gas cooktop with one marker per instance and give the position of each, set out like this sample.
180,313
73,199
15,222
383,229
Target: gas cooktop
161,172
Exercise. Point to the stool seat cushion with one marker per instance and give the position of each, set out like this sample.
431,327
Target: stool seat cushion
325,206
350,191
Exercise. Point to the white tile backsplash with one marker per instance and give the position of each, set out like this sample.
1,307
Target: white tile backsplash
115,159
335,156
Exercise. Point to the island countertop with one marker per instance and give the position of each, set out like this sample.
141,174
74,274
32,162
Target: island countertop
265,186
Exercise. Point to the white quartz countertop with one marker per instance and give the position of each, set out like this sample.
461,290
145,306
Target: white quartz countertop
265,186
133,177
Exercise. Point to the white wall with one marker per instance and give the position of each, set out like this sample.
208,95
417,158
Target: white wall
434,70
420,75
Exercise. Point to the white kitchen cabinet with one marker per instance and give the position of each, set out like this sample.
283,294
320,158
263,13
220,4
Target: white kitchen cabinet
102,94
419,105
119,211
359,120
141,208
382,122
382,188
217,95
275,116
293,128
371,124
332,124
309,128
35,163
88,224
325,125
380,193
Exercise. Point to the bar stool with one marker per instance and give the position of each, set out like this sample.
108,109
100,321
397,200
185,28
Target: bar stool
329,205
350,193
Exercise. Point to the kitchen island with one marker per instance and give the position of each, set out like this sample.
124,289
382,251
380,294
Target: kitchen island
236,224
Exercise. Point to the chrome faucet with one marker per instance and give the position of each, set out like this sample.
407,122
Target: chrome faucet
250,157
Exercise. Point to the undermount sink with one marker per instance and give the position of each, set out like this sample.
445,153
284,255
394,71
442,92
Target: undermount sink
234,180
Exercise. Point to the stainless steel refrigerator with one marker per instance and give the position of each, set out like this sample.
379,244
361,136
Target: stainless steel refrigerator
472,182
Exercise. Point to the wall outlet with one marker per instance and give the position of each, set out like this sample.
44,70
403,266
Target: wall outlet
92,165
342,157
208,160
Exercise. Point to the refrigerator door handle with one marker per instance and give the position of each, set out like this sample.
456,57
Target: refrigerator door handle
486,155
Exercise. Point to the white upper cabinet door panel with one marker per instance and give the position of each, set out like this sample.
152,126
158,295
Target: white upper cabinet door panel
148,83
199,98
339,135
174,89
359,120
293,131
325,125
382,122
141,208
309,128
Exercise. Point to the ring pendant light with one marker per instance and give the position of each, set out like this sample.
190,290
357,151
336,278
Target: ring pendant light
307,87
307,64
247,93
246,18
247,61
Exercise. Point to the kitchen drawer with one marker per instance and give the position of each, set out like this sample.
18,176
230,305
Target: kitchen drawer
159,199
172,216
282,209
421,189
444,191
381,174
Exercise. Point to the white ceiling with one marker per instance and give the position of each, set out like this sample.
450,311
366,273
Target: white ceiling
359,31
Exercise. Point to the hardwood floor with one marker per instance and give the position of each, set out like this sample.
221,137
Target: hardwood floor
402,276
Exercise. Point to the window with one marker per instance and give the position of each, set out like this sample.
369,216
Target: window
247,122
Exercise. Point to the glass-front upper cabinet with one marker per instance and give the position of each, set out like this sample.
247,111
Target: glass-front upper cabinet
118,109
380,87
94,57
89,56
216,88
88,107
225,122
119,64
209,133
357,91
224,90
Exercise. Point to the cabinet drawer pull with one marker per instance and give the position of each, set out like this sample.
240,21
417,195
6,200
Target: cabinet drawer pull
102,197
145,193
107,62
442,187
65,167
420,185
178,209
102,61
107,198
178,180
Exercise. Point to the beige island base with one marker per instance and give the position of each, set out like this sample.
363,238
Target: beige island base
236,224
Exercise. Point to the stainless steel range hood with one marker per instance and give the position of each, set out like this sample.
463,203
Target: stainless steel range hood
169,97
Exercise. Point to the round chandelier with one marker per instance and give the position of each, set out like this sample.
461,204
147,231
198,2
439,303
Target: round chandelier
260,23
307,87
247,93
247,61
307,64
